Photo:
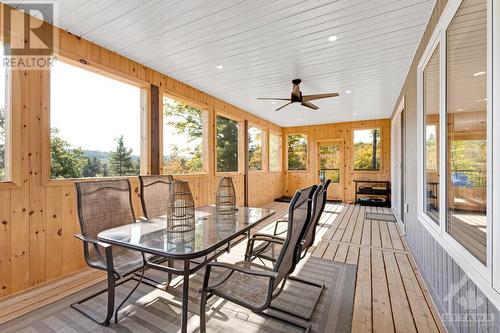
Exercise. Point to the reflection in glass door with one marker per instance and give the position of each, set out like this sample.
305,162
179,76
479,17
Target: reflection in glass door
330,161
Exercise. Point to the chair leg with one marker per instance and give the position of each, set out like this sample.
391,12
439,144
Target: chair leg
111,302
203,306
129,294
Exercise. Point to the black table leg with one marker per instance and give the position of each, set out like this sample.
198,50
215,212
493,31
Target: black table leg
185,296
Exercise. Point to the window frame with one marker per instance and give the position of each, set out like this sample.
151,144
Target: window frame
486,277
12,132
308,152
241,144
364,128
205,114
145,126
280,151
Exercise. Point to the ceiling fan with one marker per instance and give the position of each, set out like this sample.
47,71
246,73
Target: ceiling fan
297,97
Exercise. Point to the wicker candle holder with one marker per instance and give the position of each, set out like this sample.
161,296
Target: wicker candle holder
180,207
225,200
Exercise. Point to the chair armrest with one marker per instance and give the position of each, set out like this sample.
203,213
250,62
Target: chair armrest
267,238
276,223
91,240
232,267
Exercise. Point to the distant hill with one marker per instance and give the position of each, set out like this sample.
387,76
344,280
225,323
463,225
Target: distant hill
102,155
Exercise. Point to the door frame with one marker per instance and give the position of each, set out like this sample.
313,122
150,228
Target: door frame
399,114
342,162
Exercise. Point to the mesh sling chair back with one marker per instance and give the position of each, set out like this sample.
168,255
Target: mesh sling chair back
102,205
253,286
154,194
268,250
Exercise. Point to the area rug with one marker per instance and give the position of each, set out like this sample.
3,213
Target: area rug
151,310
380,217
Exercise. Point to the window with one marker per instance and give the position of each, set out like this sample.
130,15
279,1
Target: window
4,122
255,148
367,149
183,129
297,152
274,151
95,124
227,144
466,146
431,121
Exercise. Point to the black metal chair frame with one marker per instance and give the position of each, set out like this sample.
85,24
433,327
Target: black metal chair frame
113,278
250,255
273,291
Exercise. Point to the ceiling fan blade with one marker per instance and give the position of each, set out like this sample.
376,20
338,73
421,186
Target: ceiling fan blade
318,96
309,105
274,99
281,107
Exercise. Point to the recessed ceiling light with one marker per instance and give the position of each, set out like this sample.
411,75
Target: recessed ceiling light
298,119
479,73
219,66
273,102
333,38
354,114
348,91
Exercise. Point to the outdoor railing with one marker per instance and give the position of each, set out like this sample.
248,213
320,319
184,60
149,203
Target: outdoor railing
469,178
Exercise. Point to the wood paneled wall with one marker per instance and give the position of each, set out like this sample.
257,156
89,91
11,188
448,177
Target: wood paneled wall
38,217
343,131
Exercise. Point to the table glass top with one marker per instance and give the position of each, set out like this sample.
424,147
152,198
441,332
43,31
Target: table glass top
210,230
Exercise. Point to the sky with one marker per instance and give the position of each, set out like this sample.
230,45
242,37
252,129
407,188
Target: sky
91,110
363,136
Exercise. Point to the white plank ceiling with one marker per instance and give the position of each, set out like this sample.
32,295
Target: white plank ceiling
263,45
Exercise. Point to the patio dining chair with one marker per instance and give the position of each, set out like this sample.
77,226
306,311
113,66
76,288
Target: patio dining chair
260,247
154,194
103,205
254,286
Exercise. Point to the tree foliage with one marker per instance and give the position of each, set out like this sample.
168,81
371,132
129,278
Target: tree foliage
367,154
70,162
254,148
227,145
297,152
121,162
329,160
67,162
187,121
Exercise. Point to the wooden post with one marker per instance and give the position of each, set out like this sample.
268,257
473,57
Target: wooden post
245,156
155,130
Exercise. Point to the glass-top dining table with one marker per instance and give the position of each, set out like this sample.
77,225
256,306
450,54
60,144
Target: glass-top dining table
210,237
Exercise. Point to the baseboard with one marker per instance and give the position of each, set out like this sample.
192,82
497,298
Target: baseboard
18,304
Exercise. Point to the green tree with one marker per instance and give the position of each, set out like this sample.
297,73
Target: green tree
255,149
297,152
122,162
227,145
92,168
66,162
185,120
367,154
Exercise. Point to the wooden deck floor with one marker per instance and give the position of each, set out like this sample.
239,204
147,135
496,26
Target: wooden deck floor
390,294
